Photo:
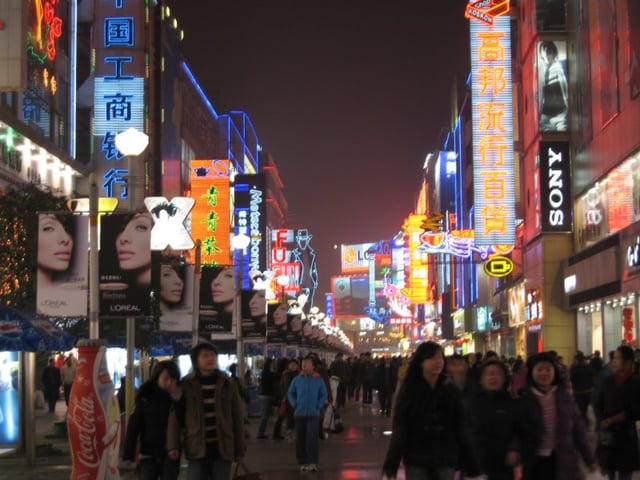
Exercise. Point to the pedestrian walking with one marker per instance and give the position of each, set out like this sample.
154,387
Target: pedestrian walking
560,431
213,419
502,433
267,395
51,382
581,377
293,369
366,371
307,395
339,368
68,375
617,408
147,426
431,433
385,382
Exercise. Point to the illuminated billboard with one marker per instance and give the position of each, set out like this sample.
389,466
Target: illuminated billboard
492,122
418,282
555,187
353,258
351,296
210,216
119,85
250,220
553,88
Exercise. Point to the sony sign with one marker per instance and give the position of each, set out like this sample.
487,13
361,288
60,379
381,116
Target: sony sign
555,187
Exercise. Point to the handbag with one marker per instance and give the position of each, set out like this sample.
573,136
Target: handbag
248,474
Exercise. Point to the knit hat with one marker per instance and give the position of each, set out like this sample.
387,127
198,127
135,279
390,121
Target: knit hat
195,352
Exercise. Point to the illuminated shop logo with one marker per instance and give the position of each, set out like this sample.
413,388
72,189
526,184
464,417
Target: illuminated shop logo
498,266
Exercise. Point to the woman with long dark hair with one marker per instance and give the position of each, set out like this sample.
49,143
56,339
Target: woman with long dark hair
430,428
148,424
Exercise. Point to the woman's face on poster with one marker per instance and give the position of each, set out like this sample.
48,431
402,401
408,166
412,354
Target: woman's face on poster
296,323
55,244
306,329
133,244
280,315
222,286
258,304
171,284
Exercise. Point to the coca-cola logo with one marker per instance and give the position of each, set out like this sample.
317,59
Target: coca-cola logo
82,416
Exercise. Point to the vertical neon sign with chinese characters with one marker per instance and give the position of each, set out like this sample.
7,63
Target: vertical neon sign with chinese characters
492,120
119,84
210,216
418,269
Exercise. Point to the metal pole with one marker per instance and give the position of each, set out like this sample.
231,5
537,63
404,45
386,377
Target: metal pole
29,376
94,271
237,308
196,293
129,397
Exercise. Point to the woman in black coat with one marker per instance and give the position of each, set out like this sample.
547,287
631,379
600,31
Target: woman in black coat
561,433
617,407
501,432
148,424
430,427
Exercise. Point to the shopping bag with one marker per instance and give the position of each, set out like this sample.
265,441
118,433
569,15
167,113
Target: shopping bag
332,421
282,408
248,475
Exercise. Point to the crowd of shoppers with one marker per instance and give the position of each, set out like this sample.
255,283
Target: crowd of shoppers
472,416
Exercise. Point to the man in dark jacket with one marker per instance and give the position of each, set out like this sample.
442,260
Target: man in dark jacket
213,420
51,382
338,369
385,382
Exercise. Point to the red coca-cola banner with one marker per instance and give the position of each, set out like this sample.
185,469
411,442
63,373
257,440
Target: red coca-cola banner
93,418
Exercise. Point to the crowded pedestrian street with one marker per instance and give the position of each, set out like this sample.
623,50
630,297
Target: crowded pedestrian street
355,454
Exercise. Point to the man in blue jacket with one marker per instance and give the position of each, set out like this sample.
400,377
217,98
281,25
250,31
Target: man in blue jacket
307,395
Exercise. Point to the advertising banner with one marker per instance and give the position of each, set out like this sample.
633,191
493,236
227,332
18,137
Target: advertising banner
294,329
250,219
125,264
351,296
254,313
555,187
306,340
277,322
63,263
353,258
174,283
9,400
217,287
553,89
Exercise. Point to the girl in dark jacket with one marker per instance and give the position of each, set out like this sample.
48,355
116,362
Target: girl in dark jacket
501,432
616,407
429,424
561,432
147,425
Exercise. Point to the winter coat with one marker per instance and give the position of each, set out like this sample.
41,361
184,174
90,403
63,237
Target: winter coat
430,428
385,379
571,435
611,399
148,423
229,420
498,426
307,395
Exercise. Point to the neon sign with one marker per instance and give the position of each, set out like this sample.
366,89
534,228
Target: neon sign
492,120
209,217
46,29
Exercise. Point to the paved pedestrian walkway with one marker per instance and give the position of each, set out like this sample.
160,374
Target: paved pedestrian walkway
355,454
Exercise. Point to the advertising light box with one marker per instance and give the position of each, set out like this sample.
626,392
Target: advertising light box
353,258
492,122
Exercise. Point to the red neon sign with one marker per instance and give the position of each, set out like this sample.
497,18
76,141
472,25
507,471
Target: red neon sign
45,28
486,10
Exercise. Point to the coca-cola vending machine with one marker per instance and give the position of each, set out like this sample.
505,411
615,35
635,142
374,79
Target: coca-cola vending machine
93,418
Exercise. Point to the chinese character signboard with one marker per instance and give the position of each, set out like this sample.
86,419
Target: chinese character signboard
210,217
492,121
119,85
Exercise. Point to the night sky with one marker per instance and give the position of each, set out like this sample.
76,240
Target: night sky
348,96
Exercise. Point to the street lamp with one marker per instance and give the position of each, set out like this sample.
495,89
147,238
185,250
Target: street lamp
131,143
238,244
283,281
